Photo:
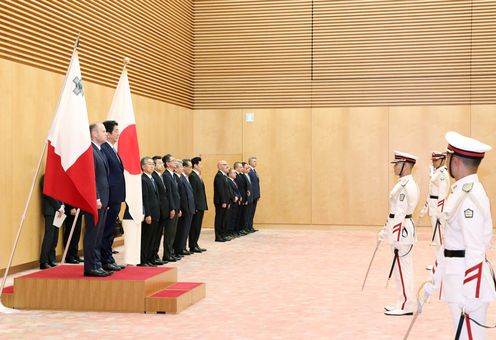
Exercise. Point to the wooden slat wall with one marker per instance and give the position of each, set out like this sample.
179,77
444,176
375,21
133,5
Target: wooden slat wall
156,35
323,53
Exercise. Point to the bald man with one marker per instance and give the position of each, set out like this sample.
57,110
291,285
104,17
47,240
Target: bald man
221,201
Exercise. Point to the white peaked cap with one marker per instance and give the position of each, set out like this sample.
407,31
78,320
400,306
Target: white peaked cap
400,156
465,146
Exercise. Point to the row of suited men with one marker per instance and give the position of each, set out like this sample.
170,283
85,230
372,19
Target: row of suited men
174,203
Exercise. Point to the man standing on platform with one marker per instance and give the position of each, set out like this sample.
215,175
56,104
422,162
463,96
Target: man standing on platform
151,207
249,198
434,205
94,232
174,200
164,208
242,187
117,194
201,206
221,201
400,232
187,207
255,185
461,267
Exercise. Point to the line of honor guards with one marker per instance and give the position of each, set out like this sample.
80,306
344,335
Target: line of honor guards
461,231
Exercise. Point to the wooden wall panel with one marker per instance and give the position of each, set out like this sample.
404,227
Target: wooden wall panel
28,97
281,139
218,131
419,130
157,36
483,127
349,166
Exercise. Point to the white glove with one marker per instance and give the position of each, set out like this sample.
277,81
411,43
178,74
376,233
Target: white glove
381,234
423,211
470,305
429,289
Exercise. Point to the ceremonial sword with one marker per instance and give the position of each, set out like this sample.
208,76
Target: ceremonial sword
370,264
420,305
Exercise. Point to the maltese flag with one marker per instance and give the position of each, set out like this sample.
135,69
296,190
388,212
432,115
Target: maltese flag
69,171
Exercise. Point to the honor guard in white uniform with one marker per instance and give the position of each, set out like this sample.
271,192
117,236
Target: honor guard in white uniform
461,270
400,232
438,191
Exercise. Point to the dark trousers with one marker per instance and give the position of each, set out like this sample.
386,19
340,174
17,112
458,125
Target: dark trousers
231,218
157,237
72,252
183,228
93,239
243,209
50,239
109,233
194,232
220,214
169,236
147,241
251,214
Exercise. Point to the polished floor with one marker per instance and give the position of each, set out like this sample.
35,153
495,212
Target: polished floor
274,284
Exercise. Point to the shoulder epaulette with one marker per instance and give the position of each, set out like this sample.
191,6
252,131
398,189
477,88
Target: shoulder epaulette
404,182
467,187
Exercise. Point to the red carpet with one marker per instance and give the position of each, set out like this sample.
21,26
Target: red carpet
166,293
184,285
8,290
76,272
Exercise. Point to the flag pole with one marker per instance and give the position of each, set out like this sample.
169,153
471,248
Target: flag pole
70,236
3,309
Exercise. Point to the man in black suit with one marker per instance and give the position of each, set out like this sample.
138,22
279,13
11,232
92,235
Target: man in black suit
117,194
200,204
234,201
221,201
255,184
93,234
174,201
51,207
249,198
187,207
151,207
243,191
72,252
165,209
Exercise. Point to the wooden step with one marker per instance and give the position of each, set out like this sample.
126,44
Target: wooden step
8,297
175,298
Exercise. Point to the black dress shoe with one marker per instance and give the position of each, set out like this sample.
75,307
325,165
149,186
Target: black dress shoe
115,252
202,249
118,265
150,264
111,267
194,250
53,264
71,261
143,265
169,259
44,266
96,273
158,262
220,239
184,252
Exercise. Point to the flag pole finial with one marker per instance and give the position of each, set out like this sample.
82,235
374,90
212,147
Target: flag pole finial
76,44
127,60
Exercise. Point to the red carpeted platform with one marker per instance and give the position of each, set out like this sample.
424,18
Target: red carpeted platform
8,296
66,288
175,298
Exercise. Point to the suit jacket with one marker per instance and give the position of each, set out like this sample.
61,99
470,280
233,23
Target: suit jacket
255,184
101,176
221,189
172,189
50,205
241,182
116,175
249,188
151,201
198,191
186,194
233,191
163,195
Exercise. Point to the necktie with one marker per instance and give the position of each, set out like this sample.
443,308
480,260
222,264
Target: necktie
154,185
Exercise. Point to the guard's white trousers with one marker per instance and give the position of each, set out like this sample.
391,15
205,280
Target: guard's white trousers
470,330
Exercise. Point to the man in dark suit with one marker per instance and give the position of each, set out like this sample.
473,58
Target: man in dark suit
93,234
241,181
249,198
221,201
151,207
187,207
174,201
72,252
165,209
200,204
255,184
51,207
234,200
117,194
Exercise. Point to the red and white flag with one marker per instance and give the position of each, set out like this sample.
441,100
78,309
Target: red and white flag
70,171
122,112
